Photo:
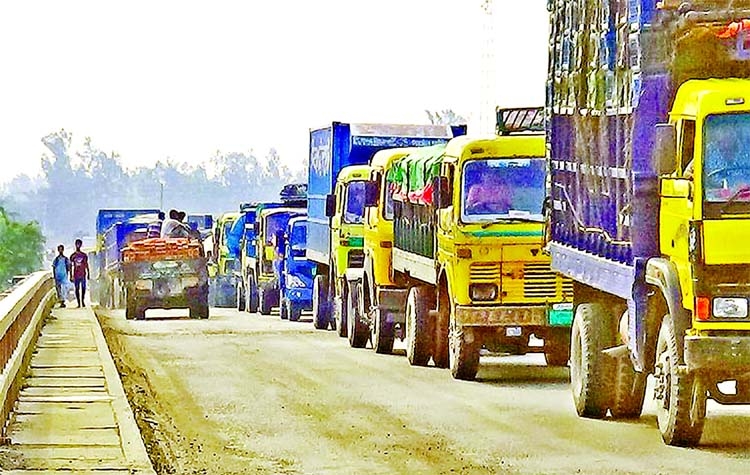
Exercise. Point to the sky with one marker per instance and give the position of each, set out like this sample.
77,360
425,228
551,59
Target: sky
162,79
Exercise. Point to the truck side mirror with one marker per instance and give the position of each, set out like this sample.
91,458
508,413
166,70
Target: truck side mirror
664,158
330,206
442,192
372,193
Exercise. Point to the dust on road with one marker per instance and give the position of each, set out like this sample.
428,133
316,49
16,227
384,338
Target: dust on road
240,393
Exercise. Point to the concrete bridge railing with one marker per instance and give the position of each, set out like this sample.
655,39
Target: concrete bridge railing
22,313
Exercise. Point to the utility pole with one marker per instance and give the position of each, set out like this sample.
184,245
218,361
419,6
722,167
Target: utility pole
487,80
161,195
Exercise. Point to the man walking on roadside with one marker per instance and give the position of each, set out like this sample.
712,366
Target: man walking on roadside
61,272
80,272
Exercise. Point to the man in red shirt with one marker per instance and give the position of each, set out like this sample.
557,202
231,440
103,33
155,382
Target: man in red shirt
79,263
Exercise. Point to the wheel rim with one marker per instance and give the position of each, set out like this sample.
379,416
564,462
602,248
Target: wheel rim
663,381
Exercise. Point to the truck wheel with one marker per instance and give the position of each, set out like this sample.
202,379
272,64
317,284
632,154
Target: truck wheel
464,344
240,293
199,310
557,347
131,308
321,315
629,390
283,309
680,398
294,310
441,352
590,369
382,333
418,327
265,301
252,299
140,312
339,311
356,330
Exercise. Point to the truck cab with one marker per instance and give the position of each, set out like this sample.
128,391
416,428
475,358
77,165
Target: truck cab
270,225
294,271
223,286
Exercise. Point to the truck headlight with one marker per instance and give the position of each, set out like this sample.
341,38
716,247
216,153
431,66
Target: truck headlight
483,292
730,307
294,282
144,284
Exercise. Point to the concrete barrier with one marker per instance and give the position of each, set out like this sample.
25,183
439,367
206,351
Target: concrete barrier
22,313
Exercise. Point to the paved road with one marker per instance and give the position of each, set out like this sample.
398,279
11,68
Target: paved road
241,393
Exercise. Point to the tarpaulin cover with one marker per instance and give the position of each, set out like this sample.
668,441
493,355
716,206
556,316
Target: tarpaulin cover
410,177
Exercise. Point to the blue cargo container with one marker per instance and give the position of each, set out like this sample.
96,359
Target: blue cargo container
340,145
107,217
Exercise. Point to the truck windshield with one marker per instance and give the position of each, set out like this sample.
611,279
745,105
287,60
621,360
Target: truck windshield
299,236
354,204
726,158
508,188
275,224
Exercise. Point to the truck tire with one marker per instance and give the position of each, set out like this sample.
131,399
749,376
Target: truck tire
199,310
557,347
283,309
628,391
321,313
265,301
357,331
464,345
383,334
240,293
442,317
131,308
680,399
294,310
140,312
418,326
251,295
590,369
340,311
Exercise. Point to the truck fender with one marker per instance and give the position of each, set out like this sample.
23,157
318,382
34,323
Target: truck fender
662,274
443,275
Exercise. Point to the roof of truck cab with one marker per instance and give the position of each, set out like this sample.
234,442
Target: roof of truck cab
700,97
383,158
501,146
353,172
270,211
228,217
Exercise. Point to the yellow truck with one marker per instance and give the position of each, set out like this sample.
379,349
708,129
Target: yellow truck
223,286
468,248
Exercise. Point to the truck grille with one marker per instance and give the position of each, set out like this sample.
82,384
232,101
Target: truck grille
539,281
355,258
484,272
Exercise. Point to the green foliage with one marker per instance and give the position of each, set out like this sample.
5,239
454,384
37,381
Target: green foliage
22,246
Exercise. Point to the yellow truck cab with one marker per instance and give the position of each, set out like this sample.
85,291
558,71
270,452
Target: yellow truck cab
222,285
347,230
382,298
468,239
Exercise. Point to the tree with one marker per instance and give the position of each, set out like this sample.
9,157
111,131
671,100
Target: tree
22,247
445,117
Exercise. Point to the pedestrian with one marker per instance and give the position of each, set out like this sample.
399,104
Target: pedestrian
80,272
154,227
61,272
170,223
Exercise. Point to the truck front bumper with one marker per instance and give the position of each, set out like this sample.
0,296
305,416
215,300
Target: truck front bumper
728,354
501,316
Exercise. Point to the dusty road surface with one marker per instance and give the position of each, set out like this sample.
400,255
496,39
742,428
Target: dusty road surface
241,393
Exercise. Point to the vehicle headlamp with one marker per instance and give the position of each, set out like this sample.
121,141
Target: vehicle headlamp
483,292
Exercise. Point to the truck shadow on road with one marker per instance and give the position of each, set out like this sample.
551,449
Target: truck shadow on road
522,374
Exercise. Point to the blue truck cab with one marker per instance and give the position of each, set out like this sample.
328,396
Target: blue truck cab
294,271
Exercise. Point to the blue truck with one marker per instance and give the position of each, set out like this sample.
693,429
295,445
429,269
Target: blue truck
245,231
336,202
294,271
115,229
649,130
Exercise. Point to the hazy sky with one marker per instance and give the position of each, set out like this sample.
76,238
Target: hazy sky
181,79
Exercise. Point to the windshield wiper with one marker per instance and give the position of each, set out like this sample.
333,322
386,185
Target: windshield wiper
514,219
733,198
